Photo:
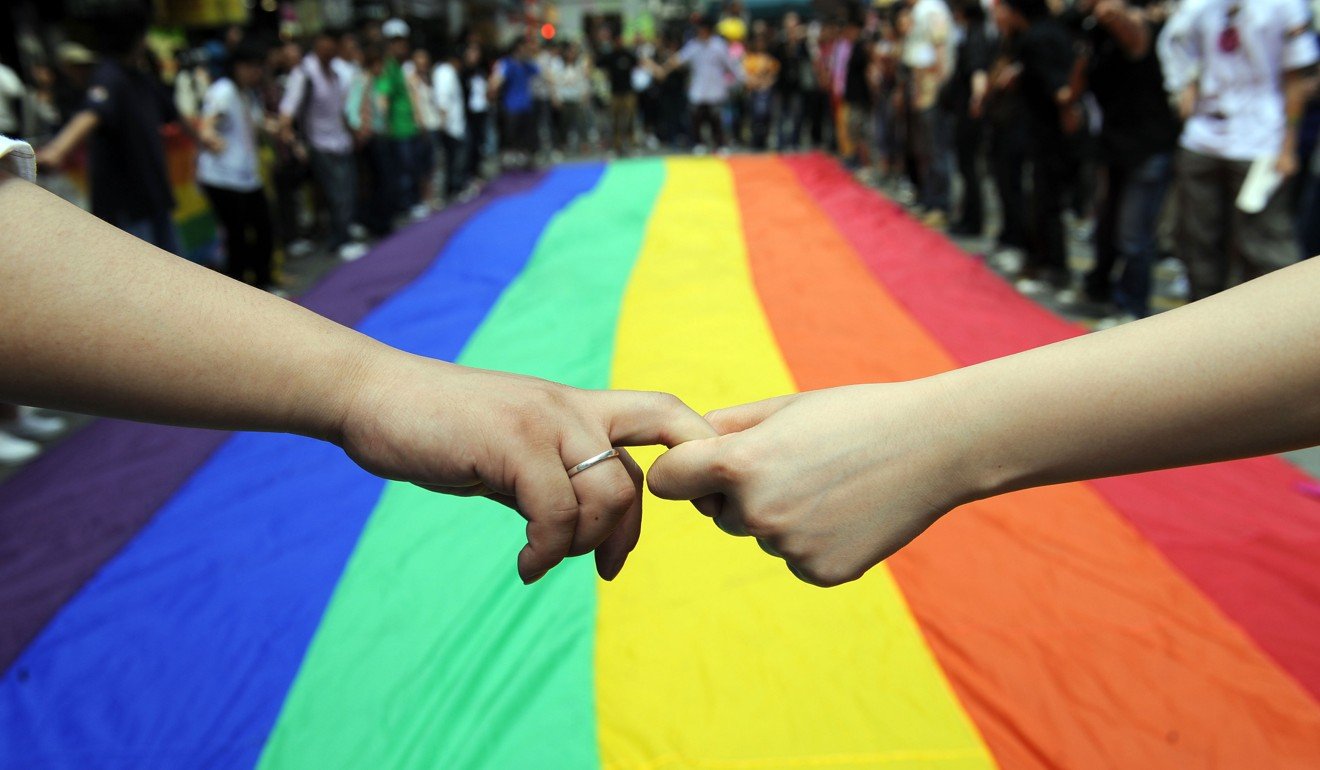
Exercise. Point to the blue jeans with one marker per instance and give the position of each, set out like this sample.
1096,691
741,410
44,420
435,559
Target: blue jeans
336,174
158,230
1127,232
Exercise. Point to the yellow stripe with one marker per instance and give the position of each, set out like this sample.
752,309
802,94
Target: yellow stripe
709,653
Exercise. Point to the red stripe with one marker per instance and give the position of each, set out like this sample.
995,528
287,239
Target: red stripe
1240,531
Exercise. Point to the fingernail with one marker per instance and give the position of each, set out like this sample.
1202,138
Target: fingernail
534,578
614,569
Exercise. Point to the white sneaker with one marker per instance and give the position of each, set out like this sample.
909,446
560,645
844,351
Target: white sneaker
419,212
35,426
1009,261
14,450
350,252
300,248
357,232
1031,286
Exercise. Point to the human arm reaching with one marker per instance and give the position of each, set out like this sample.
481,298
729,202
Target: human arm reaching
97,321
835,481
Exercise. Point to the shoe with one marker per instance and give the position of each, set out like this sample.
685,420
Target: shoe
1109,322
357,232
419,212
1008,261
300,248
1032,287
14,450
35,426
1071,296
276,291
935,219
350,252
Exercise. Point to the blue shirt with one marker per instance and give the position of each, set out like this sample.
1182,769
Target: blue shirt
516,93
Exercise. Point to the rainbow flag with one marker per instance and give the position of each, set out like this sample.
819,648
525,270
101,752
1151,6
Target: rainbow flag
190,599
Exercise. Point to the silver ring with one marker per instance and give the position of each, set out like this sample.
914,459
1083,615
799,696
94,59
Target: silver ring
594,460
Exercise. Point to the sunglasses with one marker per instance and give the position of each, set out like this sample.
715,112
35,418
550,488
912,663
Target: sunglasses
1230,40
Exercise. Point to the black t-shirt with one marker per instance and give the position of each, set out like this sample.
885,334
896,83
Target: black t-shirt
1138,120
792,57
975,54
128,172
619,64
856,86
1046,54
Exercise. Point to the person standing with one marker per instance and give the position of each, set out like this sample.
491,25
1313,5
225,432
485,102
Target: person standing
417,72
1137,141
618,63
121,118
513,82
476,87
315,97
391,91
708,89
859,97
1042,74
448,94
964,98
762,71
795,74
571,90
228,170
928,53
1241,73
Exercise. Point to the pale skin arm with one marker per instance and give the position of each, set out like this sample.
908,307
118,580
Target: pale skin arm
97,321
835,481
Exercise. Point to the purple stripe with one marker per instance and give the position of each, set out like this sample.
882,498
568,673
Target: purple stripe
70,511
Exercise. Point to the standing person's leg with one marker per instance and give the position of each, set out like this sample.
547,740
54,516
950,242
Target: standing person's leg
921,146
1009,161
385,192
475,149
1114,192
698,117
616,123
941,130
229,213
406,171
335,174
1267,241
1205,216
1048,257
1138,231
260,240
717,125
969,143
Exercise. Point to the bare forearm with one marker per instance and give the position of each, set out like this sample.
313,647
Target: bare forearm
97,321
1232,376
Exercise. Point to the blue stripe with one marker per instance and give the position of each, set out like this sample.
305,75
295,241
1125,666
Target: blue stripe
180,652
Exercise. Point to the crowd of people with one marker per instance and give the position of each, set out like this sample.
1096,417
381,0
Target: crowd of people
1126,114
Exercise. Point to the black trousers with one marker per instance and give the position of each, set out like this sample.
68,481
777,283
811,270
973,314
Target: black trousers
1008,157
245,219
708,114
967,140
1047,250
455,172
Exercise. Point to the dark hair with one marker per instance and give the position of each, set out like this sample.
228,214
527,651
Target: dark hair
372,54
1031,9
118,34
972,10
248,51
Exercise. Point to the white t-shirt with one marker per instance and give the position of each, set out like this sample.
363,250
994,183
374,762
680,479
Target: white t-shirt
710,61
1241,110
448,91
11,88
18,159
236,117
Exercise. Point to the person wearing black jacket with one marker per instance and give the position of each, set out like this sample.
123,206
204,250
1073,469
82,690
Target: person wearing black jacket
964,98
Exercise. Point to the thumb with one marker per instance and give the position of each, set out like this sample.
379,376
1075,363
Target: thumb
688,471
735,419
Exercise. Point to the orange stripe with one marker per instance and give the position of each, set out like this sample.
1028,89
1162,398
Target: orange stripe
1068,637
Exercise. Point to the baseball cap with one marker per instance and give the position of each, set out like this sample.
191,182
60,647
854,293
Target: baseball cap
395,28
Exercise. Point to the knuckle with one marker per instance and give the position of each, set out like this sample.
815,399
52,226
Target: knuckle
734,463
619,496
827,575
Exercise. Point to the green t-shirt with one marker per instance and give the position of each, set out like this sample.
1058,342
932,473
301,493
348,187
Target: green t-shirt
392,88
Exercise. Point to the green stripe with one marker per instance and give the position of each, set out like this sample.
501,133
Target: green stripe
432,653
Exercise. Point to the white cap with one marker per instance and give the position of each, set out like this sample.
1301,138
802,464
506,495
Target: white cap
395,28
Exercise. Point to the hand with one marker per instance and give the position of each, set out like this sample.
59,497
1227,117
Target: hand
212,143
1107,12
1287,164
50,158
1187,102
831,481
510,438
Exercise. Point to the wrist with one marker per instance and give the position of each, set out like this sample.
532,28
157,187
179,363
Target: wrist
341,386
978,458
